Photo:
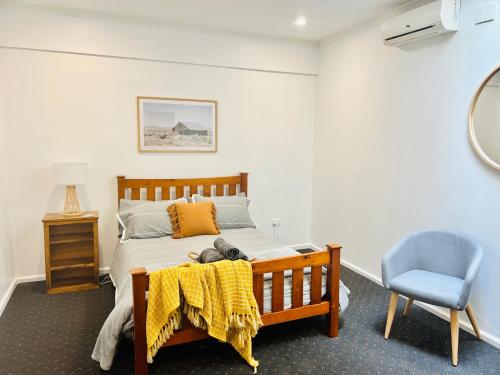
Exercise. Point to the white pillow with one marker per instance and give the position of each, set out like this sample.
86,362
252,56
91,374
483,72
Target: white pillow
231,211
146,219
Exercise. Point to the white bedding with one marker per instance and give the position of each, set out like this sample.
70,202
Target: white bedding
157,253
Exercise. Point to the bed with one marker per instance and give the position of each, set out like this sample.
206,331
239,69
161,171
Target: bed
287,285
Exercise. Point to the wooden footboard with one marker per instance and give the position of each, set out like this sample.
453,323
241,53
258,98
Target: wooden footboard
329,304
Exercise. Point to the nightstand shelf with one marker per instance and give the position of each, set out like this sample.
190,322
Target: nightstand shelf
71,252
70,238
72,263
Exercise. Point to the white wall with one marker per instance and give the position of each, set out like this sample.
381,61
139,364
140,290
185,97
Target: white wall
6,262
83,32
392,155
65,107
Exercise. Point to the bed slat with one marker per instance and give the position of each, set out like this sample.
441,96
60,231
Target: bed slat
298,288
165,192
219,190
136,193
232,189
207,190
193,190
258,291
151,194
179,192
316,278
277,291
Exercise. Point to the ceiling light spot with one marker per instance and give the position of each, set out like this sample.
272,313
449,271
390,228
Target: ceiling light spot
301,21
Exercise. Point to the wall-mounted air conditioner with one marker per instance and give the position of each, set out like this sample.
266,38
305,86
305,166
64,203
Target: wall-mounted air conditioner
429,20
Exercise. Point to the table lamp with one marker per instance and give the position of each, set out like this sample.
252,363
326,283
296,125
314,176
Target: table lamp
70,174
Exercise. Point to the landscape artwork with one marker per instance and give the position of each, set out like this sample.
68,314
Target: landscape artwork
177,125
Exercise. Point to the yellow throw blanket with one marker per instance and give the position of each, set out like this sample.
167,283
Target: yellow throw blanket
163,315
218,297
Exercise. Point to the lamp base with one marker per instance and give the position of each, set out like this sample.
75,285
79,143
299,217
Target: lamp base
71,205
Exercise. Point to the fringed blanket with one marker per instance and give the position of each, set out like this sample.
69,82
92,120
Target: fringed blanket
217,297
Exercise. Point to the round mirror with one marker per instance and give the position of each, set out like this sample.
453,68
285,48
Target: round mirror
484,120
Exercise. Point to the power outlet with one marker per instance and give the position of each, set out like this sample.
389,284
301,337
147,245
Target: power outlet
276,222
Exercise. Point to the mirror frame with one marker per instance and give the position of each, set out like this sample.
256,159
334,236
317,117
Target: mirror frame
472,135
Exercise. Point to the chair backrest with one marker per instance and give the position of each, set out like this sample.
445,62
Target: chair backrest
442,252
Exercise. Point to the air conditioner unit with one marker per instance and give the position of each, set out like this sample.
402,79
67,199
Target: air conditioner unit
432,19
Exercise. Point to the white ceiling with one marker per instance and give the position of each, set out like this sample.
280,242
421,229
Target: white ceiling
266,17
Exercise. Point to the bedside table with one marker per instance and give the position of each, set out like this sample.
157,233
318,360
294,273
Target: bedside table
71,252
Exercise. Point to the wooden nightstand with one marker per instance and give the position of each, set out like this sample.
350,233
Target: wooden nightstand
71,252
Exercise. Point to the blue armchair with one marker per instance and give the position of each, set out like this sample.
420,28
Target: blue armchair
435,267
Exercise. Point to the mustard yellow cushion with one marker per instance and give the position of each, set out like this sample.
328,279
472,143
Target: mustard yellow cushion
193,219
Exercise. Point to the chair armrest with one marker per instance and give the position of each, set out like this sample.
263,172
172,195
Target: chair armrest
469,278
398,260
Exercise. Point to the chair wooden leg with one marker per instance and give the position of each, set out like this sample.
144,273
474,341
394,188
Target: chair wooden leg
473,321
454,336
408,305
393,304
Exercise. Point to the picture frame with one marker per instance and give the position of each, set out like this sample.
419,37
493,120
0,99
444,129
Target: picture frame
177,125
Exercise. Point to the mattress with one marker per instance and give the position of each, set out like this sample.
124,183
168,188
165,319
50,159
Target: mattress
158,253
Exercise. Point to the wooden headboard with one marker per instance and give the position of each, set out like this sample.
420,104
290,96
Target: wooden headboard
165,189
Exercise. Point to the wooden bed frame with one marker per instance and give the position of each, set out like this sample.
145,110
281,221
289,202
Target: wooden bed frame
329,258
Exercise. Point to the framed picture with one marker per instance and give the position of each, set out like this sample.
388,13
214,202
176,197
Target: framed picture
176,125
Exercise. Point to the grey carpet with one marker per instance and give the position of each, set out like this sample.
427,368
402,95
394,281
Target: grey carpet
55,334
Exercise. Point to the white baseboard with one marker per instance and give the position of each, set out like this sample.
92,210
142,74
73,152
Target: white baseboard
362,272
443,314
28,279
6,297
41,277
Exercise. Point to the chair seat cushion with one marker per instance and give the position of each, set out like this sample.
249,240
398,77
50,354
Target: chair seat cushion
429,287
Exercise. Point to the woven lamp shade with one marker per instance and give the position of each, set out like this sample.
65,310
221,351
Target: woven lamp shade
70,174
